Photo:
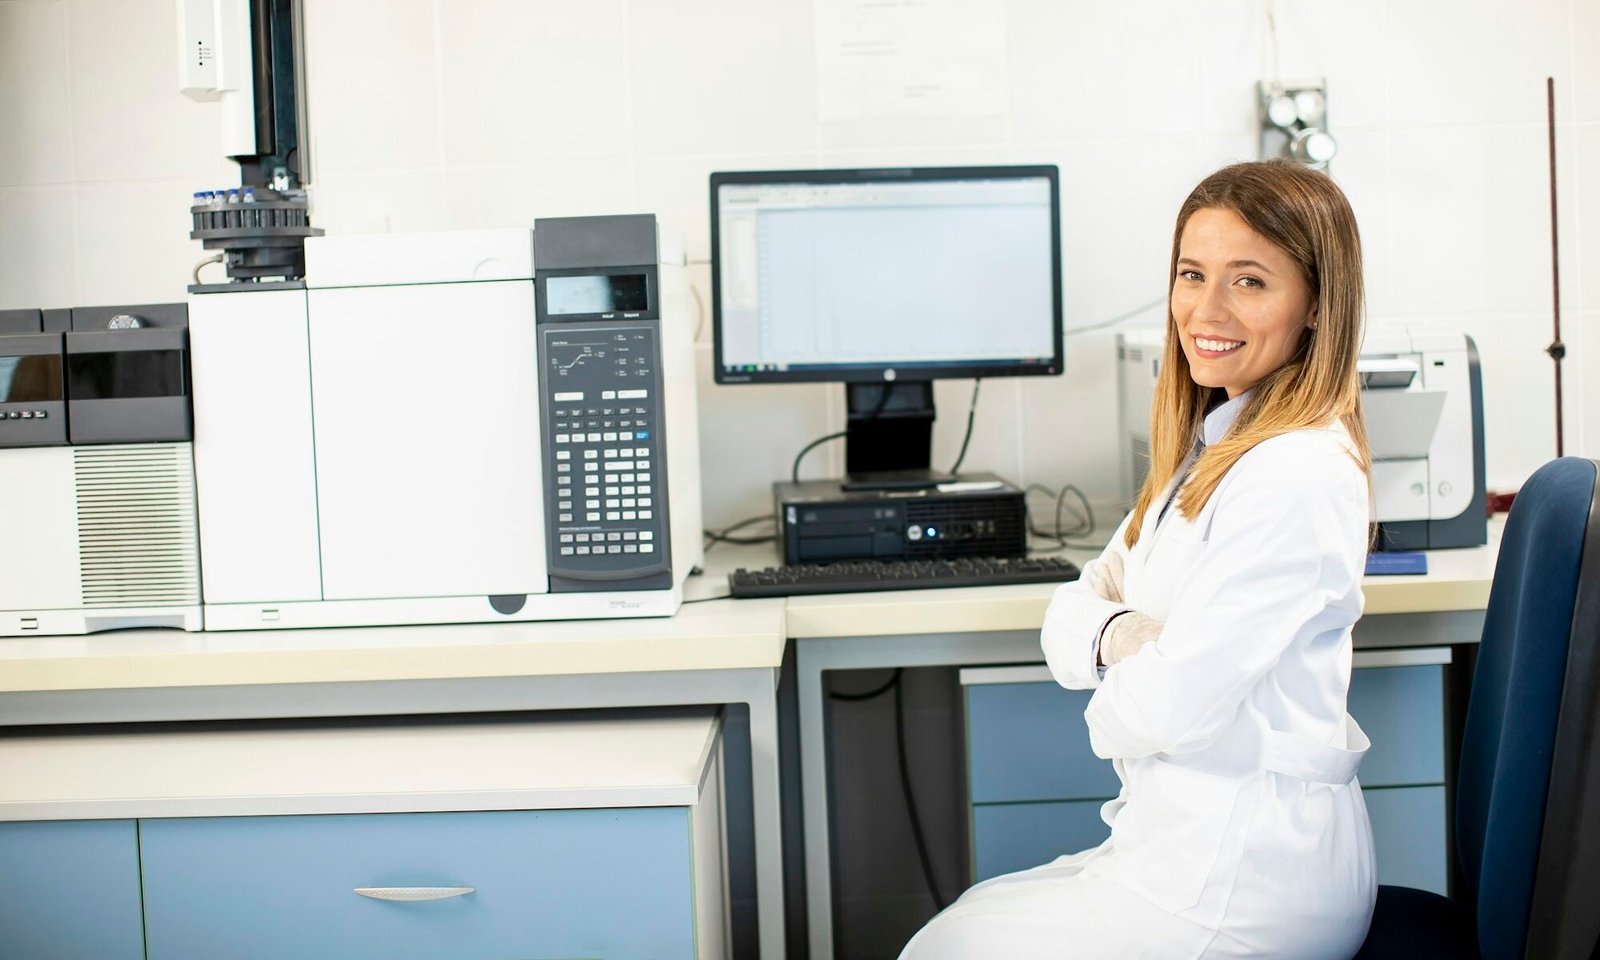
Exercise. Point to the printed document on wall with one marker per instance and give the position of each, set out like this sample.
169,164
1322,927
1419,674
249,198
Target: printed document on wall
910,58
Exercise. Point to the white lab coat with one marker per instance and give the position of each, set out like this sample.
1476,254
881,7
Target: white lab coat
1240,829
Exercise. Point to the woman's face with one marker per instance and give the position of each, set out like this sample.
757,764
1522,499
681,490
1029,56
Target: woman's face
1239,302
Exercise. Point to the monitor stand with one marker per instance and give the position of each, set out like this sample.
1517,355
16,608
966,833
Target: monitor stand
889,436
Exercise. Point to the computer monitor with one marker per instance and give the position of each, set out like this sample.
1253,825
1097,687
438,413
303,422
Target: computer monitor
885,280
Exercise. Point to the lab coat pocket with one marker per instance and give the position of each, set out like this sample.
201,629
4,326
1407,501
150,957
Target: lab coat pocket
1171,835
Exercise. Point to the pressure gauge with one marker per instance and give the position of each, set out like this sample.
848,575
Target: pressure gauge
1309,106
1313,146
1281,111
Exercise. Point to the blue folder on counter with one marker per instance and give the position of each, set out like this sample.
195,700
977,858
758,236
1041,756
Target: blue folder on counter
1381,564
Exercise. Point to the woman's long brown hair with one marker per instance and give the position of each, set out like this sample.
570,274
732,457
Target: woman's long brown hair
1306,214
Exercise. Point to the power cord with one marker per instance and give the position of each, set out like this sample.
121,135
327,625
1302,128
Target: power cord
1084,525
219,258
911,803
1114,320
873,694
714,537
883,401
893,684
972,412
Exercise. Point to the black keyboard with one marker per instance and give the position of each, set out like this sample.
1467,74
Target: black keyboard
856,576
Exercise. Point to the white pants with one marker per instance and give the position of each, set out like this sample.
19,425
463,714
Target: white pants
1055,911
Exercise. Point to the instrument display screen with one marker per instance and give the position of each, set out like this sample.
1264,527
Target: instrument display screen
125,374
572,296
30,379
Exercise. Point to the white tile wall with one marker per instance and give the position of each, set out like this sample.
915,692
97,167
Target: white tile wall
505,196
1470,229
35,118
439,114
373,83
1475,61
1583,189
543,80
128,120
40,272
1581,375
1103,68
1362,169
1584,91
720,77
395,200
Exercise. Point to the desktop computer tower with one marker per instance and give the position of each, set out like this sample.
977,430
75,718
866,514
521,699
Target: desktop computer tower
821,521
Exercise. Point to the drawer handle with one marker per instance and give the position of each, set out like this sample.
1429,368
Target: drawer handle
408,894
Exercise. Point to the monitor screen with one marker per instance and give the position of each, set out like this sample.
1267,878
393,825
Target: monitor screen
845,275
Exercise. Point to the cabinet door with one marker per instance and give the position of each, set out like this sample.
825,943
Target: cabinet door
69,890
1408,830
1008,837
557,883
1027,741
1402,711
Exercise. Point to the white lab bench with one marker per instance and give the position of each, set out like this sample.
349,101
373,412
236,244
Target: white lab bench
711,653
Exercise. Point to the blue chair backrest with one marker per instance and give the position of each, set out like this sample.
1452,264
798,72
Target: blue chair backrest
1516,696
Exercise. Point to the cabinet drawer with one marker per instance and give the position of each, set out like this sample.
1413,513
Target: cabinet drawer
1027,741
1015,836
1402,711
1409,832
557,883
69,890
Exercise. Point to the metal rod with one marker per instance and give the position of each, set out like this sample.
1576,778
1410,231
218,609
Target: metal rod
1557,349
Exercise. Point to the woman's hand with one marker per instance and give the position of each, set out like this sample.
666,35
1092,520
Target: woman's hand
1106,578
1125,634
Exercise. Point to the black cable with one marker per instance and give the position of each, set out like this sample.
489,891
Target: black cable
972,412
911,803
883,401
720,596
722,536
1085,527
1088,514
795,473
873,694
1114,320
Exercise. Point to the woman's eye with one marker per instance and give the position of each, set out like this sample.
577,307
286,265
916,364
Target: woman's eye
1193,276
1249,282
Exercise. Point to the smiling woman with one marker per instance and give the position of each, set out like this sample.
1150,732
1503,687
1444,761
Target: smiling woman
1215,627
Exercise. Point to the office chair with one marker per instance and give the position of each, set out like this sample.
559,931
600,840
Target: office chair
1528,791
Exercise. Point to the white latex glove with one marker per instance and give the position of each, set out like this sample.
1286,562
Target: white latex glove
1106,578
1125,635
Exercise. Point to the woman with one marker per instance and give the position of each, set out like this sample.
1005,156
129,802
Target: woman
1215,628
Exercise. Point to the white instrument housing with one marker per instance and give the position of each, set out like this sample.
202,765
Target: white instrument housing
370,450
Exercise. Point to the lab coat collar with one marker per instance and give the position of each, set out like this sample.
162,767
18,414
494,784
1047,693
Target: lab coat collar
1220,419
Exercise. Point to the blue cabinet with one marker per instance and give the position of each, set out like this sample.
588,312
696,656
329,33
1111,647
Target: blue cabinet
1035,788
557,883
1007,837
69,890
301,868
